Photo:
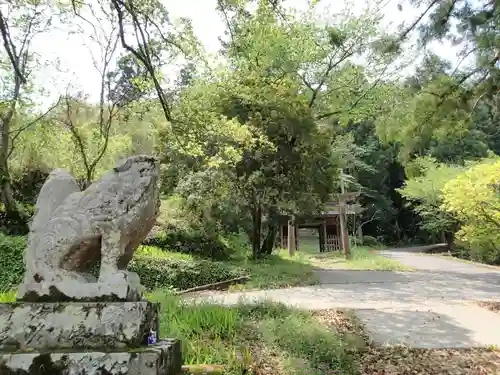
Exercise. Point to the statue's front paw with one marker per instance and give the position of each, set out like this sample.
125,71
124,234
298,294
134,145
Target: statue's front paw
124,279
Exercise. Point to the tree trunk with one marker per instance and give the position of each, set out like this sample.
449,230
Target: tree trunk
11,206
450,241
344,234
7,196
18,61
16,217
291,237
322,237
268,243
256,230
360,234
87,181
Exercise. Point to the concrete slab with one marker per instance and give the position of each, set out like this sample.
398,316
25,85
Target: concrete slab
437,326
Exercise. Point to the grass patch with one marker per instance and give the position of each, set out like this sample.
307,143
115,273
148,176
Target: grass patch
160,268
280,270
266,338
156,252
276,271
362,258
8,296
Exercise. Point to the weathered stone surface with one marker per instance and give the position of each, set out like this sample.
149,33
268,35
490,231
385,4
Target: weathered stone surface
51,326
161,359
120,287
74,230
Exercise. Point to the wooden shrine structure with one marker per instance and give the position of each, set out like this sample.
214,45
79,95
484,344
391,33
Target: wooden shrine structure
330,223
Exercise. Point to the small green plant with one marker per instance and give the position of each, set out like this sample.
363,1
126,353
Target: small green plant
492,347
276,271
371,241
237,337
8,296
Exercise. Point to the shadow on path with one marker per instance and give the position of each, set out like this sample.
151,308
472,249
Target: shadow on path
441,327
419,249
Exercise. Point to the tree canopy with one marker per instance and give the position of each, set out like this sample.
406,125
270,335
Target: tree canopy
264,128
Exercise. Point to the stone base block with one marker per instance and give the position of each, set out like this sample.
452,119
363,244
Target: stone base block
123,286
161,359
76,325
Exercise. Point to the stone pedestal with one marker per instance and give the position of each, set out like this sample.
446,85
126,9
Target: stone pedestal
162,359
84,338
122,286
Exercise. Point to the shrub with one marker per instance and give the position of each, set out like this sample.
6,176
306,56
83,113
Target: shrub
155,270
425,192
180,274
11,260
371,241
190,241
14,225
251,334
474,197
8,296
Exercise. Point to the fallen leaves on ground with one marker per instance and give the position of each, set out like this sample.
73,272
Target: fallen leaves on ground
408,361
345,323
266,362
490,305
402,360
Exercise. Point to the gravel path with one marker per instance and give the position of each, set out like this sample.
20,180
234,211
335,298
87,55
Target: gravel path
426,308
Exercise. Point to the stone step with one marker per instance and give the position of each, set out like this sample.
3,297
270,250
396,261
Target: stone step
163,358
76,325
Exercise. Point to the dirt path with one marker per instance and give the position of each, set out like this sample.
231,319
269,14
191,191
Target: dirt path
430,307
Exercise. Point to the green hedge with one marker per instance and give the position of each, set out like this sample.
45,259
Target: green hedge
371,241
180,274
11,260
190,242
154,272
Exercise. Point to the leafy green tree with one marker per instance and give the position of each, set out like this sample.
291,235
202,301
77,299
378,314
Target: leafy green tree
291,52
20,22
282,164
473,197
378,173
441,102
425,191
149,36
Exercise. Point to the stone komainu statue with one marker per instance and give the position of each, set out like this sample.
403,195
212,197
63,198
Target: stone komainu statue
74,230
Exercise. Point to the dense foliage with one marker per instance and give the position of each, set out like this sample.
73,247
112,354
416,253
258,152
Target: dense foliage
474,198
155,269
263,129
11,261
192,242
157,273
